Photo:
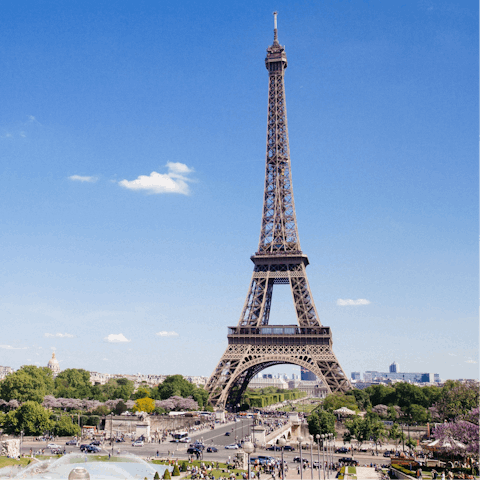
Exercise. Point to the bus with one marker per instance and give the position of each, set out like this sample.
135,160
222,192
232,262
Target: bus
180,437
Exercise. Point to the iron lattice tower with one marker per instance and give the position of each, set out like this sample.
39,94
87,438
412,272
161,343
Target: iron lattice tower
252,344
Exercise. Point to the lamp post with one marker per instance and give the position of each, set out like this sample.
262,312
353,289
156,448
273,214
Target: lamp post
282,442
21,441
300,440
331,452
323,453
248,448
327,438
111,431
317,436
311,456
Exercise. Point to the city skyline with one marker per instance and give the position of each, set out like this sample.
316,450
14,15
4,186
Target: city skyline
134,141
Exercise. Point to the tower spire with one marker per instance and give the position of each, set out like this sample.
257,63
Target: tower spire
275,35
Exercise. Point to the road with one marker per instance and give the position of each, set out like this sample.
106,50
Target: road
217,438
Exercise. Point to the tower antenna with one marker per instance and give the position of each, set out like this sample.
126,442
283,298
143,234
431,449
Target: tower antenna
275,36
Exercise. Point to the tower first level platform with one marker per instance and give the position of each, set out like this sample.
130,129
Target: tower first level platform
279,335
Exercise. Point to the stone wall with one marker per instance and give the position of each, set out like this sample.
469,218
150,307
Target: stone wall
10,448
127,424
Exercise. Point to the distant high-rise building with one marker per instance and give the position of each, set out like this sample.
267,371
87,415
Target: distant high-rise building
394,368
356,376
267,375
294,376
307,375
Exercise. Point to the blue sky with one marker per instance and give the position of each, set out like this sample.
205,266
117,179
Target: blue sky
123,270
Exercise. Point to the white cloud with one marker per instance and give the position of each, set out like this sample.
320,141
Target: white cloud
167,334
116,338
360,301
470,361
80,178
175,181
9,347
60,335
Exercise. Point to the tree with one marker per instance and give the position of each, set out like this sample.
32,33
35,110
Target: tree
73,383
30,417
156,476
362,398
396,434
142,392
177,386
363,429
167,475
320,422
456,399
338,400
101,410
65,427
411,443
176,471
27,383
144,405
120,407
417,413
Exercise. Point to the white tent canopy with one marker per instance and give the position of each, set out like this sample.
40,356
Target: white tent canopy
344,411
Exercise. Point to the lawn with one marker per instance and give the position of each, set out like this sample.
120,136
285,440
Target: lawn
6,462
300,407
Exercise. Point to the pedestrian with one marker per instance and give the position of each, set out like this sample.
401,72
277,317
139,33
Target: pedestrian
443,475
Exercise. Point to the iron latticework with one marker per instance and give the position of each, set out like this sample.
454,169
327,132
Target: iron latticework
253,344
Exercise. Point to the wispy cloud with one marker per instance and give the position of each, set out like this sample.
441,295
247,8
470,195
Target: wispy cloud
80,178
350,302
167,334
452,354
470,361
174,181
59,335
9,347
116,338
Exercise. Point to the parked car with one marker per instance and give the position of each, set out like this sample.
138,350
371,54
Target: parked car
72,442
95,442
387,454
227,434
212,449
348,461
275,448
138,443
341,450
297,460
288,448
53,445
232,447
119,440
198,445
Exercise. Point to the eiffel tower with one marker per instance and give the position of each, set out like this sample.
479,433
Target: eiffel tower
253,345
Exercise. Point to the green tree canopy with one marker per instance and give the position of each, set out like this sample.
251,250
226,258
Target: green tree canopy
320,422
142,391
27,383
65,427
73,383
176,385
30,417
118,388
